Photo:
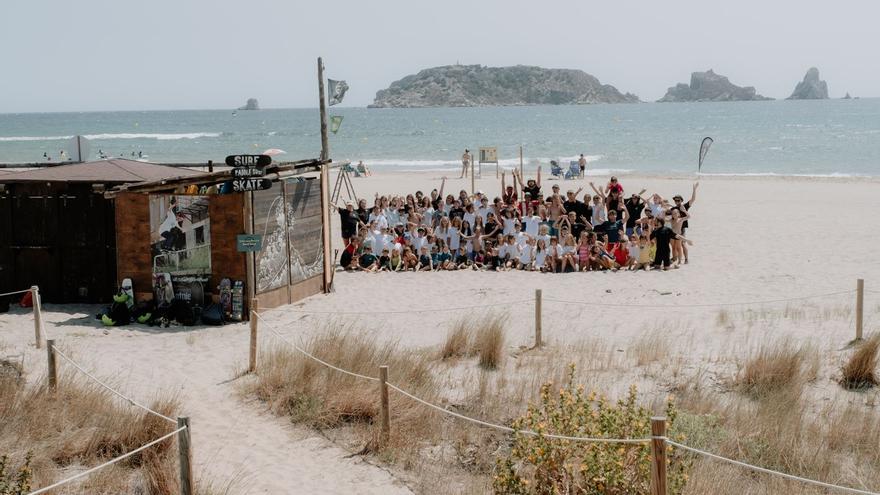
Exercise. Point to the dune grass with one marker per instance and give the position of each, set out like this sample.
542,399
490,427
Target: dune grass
777,368
79,426
859,372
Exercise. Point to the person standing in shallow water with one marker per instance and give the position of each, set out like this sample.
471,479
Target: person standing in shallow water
465,163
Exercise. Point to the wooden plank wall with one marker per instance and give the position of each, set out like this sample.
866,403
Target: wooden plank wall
133,258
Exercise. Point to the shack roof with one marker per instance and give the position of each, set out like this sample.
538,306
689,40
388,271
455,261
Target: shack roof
114,170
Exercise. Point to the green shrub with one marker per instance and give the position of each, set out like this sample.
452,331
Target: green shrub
17,483
541,465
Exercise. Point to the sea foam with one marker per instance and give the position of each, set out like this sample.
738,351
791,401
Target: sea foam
157,136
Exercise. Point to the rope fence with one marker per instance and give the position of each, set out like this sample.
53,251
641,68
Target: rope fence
658,440
768,471
709,305
108,463
15,292
396,312
109,388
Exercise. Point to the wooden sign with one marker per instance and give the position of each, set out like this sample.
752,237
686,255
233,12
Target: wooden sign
248,160
242,185
248,172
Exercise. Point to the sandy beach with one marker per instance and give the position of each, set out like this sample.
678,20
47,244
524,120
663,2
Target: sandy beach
776,239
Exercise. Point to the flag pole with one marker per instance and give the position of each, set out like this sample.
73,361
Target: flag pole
325,143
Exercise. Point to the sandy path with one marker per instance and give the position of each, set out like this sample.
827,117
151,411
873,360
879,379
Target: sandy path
234,442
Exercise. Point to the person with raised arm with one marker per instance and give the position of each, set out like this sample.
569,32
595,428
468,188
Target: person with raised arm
684,208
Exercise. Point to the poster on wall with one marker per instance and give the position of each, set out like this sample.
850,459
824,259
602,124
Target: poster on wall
180,242
272,270
304,229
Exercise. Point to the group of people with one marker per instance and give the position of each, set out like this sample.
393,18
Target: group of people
522,229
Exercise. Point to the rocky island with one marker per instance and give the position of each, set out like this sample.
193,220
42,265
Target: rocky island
811,88
251,104
476,85
709,86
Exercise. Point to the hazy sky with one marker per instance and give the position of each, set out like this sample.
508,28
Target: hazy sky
61,55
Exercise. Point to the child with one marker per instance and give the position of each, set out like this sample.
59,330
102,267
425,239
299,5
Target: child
508,253
645,256
479,259
540,255
621,252
583,253
385,261
425,261
444,259
569,253
368,261
462,261
553,254
410,260
395,263
633,251
526,255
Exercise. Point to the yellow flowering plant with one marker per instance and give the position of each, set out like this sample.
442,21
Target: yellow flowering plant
537,464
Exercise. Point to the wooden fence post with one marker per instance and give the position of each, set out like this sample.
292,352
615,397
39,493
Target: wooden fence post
658,456
538,339
52,366
252,361
860,307
385,431
38,315
184,449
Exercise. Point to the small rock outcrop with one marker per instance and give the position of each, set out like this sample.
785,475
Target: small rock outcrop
709,86
811,88
252,104
476,85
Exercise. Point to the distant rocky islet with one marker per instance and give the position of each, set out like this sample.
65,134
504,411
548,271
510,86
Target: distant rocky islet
477,86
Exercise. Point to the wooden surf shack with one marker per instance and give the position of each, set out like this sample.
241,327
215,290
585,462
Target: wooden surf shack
264,224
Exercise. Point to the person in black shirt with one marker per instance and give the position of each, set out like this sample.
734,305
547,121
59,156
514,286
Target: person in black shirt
349,221
685,206
531,186
456,211
362,212
572,204
663,236
611,228
634,204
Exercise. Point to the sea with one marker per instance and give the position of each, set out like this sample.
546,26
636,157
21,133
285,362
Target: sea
836,138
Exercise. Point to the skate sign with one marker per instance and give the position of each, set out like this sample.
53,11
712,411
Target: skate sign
242,185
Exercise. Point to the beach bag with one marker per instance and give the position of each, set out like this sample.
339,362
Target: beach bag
27,301
212,315
182,311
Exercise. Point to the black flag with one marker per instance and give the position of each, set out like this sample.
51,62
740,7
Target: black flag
704,149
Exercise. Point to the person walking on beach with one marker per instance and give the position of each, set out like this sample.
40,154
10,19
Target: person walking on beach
582,163
465,163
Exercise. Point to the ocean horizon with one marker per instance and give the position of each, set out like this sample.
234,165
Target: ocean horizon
831,138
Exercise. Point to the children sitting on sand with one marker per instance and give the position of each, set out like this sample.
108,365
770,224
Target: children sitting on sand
556,234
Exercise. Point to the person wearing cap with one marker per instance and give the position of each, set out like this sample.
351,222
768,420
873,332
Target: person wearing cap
634,205
532,186
555,189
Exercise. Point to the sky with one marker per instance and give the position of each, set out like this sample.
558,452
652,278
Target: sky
102,55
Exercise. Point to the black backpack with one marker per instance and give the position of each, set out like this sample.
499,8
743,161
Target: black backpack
212,315
182,311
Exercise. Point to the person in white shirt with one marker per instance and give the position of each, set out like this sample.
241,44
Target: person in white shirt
508,221
526,255
532,223
453,235
540,255
380,219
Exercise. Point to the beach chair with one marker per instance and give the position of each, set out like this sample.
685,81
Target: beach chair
348,168
556,170
574,170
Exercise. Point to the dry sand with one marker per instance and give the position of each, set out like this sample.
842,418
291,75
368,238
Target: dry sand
755,239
